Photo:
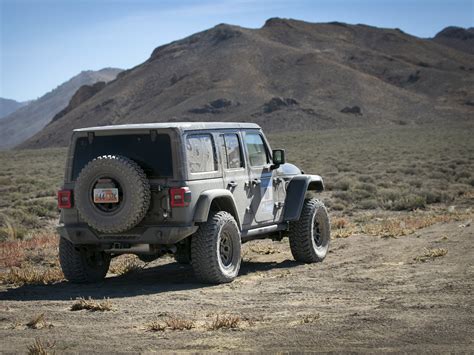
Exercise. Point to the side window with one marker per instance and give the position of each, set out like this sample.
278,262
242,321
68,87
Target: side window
233,151
200,153
256,149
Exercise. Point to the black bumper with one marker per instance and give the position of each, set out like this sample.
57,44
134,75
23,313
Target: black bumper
80,234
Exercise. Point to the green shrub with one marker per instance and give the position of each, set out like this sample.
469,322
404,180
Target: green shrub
367,187
389,194
463,175
366,178
415,183
434,196
343,184
337,206
409,202
369,204
342,195
358,194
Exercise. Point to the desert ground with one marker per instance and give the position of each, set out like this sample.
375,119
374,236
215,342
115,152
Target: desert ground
399,276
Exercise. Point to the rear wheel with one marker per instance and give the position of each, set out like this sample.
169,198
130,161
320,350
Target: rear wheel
310,235
81,264
215,249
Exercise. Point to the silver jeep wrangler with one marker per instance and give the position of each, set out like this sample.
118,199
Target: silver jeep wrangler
198,190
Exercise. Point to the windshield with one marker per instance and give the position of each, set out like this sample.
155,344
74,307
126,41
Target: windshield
154,156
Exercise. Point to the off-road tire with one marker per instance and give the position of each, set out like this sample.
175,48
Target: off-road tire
303,241
183,252
206,258
132,181
82,265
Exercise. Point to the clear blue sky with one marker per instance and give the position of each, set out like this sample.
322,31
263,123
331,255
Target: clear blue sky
44,43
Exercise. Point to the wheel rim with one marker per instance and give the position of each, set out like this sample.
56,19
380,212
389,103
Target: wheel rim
226,249
317,236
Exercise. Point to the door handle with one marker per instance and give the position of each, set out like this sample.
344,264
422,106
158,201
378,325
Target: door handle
256,182
232,184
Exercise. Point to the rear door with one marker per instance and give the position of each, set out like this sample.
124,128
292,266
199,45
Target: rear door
260,174
236,173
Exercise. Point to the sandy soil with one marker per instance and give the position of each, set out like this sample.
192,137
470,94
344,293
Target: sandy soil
368,295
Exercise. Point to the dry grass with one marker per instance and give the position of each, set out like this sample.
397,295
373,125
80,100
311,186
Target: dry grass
393,226
126,264
175,323
42,245
263,249
30,261
92,305
341,228
41,347
407,224
310,318
155,326
226,321
431,254
339,223
31,275
171,323
38,322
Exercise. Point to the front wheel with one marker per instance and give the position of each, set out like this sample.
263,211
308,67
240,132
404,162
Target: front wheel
81,264
215,249
310,235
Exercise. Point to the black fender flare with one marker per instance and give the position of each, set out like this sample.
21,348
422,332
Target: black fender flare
295,194
203,205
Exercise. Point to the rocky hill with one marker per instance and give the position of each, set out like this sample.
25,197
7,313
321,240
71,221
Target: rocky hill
287,75
29,120
8,106
457,37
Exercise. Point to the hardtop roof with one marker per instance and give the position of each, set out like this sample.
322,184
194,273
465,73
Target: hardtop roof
183,126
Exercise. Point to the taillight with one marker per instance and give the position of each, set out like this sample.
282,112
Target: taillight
180,196
64,199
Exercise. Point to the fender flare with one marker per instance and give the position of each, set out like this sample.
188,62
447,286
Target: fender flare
203,205
295,194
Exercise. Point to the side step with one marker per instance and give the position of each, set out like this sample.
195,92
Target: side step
259,233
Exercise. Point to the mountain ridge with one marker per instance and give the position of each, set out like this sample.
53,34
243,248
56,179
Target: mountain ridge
458,38
286,75
30,119
8,106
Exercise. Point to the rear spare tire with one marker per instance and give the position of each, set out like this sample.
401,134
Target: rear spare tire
121,177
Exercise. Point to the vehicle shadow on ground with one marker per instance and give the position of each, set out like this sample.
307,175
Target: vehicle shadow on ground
153,280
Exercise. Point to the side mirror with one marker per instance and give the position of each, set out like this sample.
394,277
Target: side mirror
278,158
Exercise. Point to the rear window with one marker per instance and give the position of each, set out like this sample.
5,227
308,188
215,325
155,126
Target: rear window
154,156
200,153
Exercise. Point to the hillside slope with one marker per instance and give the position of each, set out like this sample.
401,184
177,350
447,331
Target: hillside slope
7,106
287,75
29,120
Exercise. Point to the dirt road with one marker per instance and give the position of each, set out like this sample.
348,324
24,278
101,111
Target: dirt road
369,294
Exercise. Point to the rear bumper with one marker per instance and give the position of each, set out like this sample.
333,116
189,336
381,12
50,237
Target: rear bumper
81,234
